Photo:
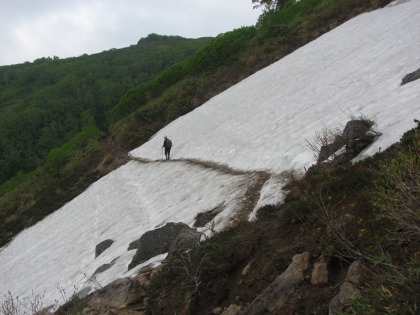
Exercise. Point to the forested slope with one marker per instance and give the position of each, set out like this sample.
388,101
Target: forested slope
45,103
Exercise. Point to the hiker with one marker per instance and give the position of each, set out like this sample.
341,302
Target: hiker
167,144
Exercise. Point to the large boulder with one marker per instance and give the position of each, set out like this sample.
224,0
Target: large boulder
356,128
156,242
117,294
275,296
356,135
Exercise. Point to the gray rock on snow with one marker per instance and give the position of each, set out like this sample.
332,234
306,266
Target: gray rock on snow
411,77
102,246
159,241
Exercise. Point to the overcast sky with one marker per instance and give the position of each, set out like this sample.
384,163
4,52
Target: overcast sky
31,29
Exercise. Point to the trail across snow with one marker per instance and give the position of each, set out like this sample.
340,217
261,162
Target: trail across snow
260,124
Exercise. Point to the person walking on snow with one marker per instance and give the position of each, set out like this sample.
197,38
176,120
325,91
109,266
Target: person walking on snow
167,144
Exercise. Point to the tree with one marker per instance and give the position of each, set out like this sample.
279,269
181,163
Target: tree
269,5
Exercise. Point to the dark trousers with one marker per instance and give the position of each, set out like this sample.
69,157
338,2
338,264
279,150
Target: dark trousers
167,152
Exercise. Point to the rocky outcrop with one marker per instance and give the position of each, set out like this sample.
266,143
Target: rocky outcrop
161,241
275,296
357,135
117,294
123,296
102,246
355,277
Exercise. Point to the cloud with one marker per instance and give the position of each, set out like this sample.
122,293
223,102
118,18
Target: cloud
34,29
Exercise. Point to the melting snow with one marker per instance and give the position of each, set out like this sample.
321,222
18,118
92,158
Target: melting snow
259,124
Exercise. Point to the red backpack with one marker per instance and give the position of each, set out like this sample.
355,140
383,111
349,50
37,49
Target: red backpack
168,143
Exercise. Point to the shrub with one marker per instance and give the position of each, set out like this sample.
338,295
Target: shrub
398,191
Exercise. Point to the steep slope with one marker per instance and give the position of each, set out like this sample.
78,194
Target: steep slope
260,124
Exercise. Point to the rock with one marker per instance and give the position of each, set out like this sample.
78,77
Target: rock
320,272
102,246
233,309
355,277
134,245
84,292
275,296
144,280
87,311
328,150
216,311
295,193
411,77
155,272
357,135
187,238
156,242
356,128
203,218
102,268
246,269
117,294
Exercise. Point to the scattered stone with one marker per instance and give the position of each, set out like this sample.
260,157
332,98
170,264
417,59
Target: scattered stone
275,296
246,269
411,77
320,272
102,246
355,277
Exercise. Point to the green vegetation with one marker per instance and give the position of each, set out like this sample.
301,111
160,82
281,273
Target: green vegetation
335,215
45,103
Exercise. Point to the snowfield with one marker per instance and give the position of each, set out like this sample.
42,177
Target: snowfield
260,124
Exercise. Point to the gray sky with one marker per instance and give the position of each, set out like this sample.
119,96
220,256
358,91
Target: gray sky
31,29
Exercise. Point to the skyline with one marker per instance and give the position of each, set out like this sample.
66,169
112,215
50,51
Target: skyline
46,28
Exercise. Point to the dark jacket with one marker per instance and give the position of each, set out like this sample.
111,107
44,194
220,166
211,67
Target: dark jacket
167,143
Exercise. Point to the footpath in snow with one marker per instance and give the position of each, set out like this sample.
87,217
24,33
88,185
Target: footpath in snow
260,124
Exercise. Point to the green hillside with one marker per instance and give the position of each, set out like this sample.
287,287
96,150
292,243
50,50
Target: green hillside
45,103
